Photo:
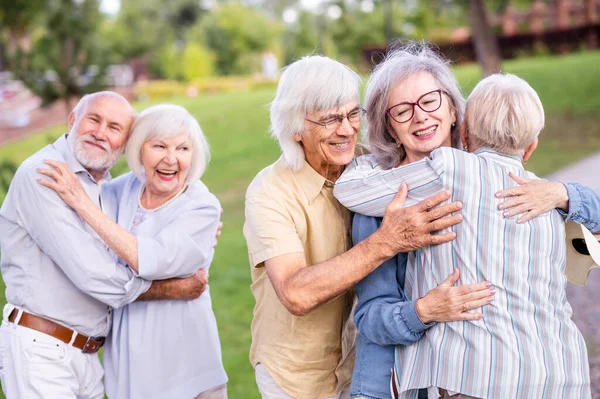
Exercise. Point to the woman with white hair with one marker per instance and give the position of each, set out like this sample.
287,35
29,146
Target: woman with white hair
526,344
298,240
160,221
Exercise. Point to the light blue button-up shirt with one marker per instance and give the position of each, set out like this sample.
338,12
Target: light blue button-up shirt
165,349
54,265
526,345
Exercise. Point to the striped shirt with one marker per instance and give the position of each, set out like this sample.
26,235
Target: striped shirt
526,346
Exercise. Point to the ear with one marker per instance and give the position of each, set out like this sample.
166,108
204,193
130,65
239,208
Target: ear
453,114
71,120
298,137
464,135
391,131
529,150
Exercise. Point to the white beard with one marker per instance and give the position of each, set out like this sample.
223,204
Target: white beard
92,161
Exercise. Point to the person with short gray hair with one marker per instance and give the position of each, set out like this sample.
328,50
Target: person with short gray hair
298,238
165,221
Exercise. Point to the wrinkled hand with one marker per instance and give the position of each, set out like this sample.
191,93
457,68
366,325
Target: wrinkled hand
532,197
66,183
193,286
448,303
406,229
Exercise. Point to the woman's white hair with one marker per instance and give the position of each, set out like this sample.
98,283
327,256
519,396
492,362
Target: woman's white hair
165,121
504,113
311,84
398,65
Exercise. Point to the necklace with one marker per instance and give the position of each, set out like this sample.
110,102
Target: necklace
158,208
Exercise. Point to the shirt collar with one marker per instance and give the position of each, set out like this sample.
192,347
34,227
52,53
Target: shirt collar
310,181
513,160
64,148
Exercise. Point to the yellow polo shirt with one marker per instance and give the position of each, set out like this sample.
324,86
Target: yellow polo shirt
311,356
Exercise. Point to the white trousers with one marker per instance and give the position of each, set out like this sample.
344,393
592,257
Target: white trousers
269,389
36,365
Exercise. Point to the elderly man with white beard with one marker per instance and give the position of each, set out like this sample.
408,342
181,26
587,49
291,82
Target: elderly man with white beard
61,280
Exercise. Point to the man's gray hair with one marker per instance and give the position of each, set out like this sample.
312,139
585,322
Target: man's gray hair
83,103
165,121
311,84
504,113
399,65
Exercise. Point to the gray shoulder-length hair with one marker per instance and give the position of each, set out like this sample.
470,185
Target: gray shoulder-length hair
398,65
165,121
311,84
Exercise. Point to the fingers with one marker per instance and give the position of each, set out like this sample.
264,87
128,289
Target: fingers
439,238
473,287
478,295
510,192
433,201
479,303
48,183
470,316
452,279
527,216
516,210
444,223
50,173
510,203
518,179
444,210
401,196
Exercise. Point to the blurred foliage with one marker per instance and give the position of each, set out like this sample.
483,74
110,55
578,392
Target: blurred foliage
238,35
160,89
55,60
194,62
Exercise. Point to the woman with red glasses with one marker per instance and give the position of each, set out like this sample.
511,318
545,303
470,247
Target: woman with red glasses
414,106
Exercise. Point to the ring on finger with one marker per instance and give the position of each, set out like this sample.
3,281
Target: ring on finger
464,306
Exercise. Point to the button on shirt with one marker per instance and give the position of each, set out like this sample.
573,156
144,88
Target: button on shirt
290,212
54,265
526,346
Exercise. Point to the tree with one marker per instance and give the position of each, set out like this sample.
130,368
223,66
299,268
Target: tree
484,39
16,18
237,35
58,64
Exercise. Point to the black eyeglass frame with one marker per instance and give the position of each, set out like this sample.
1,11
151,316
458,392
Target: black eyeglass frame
359,111
412,113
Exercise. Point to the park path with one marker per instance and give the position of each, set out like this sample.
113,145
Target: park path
586,301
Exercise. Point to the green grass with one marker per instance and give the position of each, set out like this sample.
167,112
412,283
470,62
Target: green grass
237,127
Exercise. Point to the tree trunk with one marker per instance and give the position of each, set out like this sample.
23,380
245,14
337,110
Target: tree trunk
483,38
590,19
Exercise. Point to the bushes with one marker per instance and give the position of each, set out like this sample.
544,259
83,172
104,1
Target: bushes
168,88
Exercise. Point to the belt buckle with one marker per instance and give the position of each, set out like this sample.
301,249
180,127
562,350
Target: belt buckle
92,344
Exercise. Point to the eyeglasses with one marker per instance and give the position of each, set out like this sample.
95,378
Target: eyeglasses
333,123
428,102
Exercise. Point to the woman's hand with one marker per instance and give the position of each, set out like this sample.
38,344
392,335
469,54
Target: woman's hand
66,184
448,303
532,197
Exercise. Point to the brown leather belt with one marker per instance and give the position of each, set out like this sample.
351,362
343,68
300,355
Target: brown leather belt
87,345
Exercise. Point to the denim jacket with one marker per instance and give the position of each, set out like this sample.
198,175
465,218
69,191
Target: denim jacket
584,206
384,318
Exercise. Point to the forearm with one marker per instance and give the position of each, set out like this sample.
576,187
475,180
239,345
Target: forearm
163,289
388,322
315,285
122,242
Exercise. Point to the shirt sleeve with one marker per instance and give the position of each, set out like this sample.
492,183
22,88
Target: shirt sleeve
61,235
383,315
584,206
366,188
270,230
183,246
